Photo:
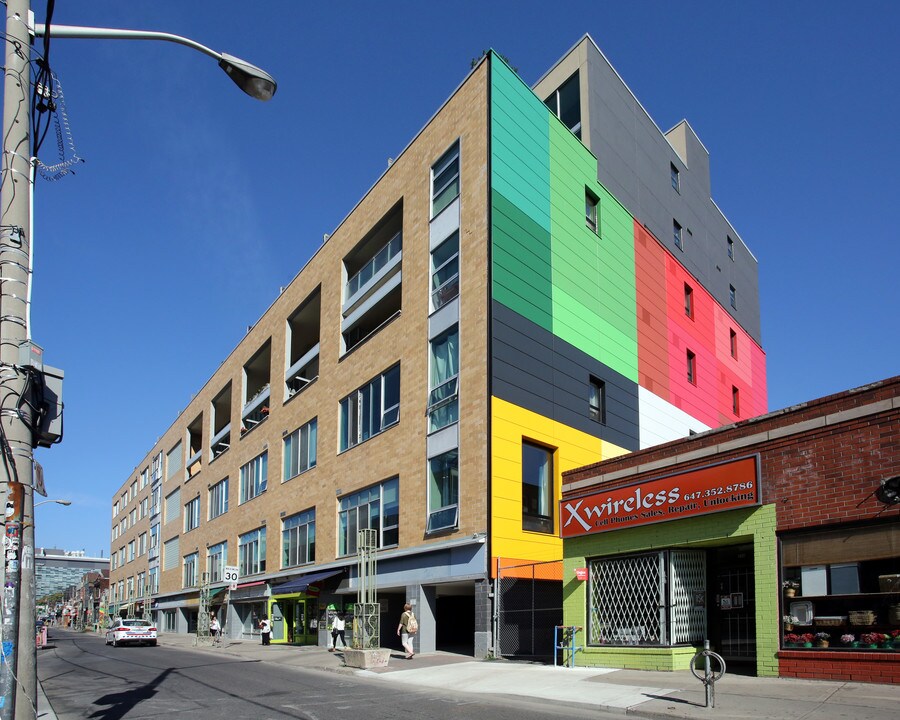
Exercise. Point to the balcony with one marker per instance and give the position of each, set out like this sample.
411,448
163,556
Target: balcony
373,274
302,372
221,441
256,410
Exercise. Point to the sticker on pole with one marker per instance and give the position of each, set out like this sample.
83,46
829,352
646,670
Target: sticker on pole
231,575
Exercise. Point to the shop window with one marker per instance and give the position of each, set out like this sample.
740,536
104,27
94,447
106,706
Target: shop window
648,599
841,588
538,497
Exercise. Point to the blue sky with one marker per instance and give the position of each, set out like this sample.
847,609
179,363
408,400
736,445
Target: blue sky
195,203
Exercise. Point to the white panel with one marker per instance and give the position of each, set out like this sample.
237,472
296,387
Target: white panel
661,422
444,224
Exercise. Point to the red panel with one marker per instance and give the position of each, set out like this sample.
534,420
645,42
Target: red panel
872,667
650,283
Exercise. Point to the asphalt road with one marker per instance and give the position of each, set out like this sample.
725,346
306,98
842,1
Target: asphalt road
84,678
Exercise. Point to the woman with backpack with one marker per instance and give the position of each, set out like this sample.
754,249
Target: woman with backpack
408,626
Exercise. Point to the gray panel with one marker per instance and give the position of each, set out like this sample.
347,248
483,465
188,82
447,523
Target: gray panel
443,319
538,371
443,440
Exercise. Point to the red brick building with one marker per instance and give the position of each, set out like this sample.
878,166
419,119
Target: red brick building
814,538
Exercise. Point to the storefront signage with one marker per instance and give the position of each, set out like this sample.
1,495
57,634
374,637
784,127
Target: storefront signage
725,486
581,573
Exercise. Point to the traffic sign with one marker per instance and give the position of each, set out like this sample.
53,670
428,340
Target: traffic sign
231,575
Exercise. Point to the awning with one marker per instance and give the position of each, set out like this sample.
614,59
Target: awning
301,584
250,591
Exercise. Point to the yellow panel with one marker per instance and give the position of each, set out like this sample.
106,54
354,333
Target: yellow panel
510,425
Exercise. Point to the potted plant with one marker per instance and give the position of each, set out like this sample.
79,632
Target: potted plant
790,587
849,639
791,640
872,639
822,639
789,621
806,639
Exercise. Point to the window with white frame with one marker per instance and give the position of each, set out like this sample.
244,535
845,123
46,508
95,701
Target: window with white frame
190,570
192,514
443,398
218,499
170,623
154,536
565,103
145,477
130,550
538,498
254,477
142,543
443,491
298,539
145,507
371,409
300,450
445,271
216,559
141,584
154,580
129,584
156,466
252,552
115,561
375,508
445,180
134,489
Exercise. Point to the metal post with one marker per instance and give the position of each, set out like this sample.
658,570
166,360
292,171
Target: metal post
707,684
16,441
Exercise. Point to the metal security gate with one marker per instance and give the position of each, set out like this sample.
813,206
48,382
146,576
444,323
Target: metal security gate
528,607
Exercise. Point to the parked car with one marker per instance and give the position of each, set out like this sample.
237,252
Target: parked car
122,631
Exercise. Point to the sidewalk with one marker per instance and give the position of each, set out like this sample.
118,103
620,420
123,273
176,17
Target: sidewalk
633,692
637,693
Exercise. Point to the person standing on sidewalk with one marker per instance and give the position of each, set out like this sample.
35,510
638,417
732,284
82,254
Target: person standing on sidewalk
338,626
408,626
265,629
214,629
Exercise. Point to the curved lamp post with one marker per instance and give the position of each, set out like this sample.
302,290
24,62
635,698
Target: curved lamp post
252,80
65,503
16,181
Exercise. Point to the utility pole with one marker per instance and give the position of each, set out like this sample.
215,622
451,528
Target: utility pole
16,441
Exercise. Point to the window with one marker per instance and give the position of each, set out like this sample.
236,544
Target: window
443,400
371,409
171,554
134,489
141,584
597,401
254,477
443,491
220,423
445,271
676,178
132,517
298,539
216,559
115,561
130,585
173,505
688,301
154,580
190,570
145,507
565,103
156,467
628,597
145,477
218,499
730,248
735,400
300,450
252,552
732,342
676,234
142,543
154,537
130,550
691,368
732,296
173,461
192,514
445,180
169,622
590,210
375,508
537,488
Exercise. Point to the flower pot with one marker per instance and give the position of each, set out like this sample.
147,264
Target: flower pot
790,592
807,644
855,644
822,643
874,646
788,627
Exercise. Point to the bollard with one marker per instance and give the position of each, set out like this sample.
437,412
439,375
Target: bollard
709,678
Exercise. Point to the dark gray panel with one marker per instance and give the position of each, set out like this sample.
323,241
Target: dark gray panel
536,370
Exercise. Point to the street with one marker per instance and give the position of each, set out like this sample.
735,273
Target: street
84,678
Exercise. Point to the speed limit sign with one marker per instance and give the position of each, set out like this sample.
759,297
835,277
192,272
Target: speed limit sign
231,576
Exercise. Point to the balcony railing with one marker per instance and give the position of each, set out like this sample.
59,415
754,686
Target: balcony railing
300,374
256,410
221,441
370,270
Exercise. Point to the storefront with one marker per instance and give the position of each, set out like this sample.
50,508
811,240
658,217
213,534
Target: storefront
778,539
293,608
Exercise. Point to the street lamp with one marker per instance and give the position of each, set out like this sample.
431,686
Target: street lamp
66,503
21,370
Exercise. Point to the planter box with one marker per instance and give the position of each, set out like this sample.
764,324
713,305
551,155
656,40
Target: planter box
364,659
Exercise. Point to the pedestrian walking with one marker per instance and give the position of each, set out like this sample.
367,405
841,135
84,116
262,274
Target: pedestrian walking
338,626
214,629
408,627
266,629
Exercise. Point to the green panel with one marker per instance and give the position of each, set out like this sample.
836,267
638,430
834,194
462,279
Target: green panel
547,264
520,198
756,524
